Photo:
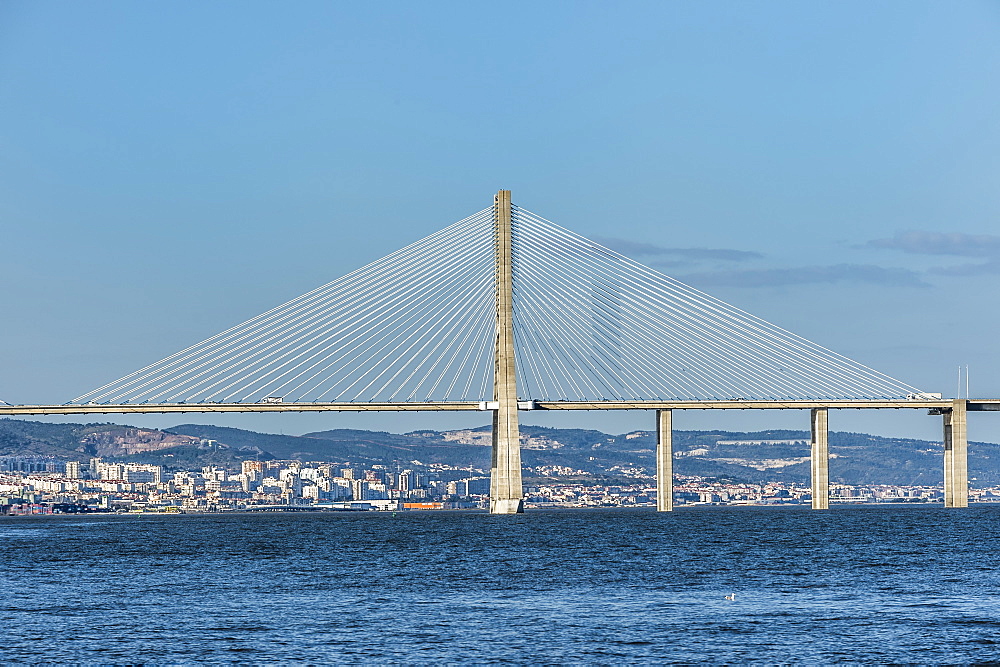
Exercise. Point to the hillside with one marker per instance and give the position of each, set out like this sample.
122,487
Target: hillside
81,441
754,457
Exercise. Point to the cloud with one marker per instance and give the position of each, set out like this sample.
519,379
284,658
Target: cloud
670,264
637,249
983,246
938,243
991,268
808,275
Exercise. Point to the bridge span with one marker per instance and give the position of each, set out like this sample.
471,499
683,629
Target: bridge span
505,312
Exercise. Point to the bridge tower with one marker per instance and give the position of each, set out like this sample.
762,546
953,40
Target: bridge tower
506,491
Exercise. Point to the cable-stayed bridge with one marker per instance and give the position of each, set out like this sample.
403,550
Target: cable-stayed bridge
506,311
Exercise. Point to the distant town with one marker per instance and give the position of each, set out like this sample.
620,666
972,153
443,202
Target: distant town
103,467
31,485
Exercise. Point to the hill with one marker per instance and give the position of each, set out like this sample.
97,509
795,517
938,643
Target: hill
81,441
758,456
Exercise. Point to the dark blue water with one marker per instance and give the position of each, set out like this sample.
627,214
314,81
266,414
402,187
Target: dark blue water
863,584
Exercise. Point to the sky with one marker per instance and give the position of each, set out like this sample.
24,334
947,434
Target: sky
170,169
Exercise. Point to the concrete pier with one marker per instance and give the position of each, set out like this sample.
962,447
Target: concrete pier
819,456
956,455
506,490
664,461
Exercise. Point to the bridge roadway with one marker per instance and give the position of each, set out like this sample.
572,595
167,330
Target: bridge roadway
973,405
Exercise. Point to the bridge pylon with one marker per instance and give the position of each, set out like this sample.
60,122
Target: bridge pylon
506,490
956,455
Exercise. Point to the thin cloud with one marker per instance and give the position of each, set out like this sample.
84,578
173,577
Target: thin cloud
938,243
640,249
808,275
991,268
670,264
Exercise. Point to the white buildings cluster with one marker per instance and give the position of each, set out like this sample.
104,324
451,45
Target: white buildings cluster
110,485
258,484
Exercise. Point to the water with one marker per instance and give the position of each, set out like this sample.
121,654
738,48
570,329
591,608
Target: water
855,584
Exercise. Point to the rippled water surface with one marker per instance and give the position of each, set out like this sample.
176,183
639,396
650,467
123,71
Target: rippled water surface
864,584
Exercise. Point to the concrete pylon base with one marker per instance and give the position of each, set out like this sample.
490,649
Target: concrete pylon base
819,456
956,456
664,461
507,506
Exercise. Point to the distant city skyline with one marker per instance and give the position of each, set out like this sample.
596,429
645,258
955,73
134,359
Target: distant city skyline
171,171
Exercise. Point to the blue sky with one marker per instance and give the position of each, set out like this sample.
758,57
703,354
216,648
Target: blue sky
170,169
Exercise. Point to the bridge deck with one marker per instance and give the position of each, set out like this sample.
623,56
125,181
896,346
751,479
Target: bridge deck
142,408
974,405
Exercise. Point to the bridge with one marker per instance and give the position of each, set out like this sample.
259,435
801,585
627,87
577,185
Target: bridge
503,312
